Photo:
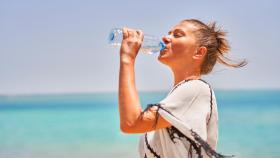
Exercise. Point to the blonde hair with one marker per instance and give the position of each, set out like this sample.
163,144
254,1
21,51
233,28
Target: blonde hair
214,39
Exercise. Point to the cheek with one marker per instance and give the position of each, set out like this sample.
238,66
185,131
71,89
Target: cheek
179,49
183,48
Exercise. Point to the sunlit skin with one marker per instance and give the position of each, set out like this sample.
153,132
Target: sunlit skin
182,55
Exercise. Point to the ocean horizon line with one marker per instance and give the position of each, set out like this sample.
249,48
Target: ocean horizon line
115,92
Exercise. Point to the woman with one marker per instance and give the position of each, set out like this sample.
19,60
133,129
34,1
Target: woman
185,123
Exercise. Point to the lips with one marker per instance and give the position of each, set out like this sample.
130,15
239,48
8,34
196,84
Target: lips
163,51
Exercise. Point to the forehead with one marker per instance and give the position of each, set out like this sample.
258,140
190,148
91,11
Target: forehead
184,26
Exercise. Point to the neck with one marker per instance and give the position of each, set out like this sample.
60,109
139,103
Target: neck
181,74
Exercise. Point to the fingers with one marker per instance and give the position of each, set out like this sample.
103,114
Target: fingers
125,33
140,34
131,33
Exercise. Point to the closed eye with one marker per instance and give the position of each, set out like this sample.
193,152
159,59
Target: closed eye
177,33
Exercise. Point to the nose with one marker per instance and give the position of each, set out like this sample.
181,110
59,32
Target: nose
166,39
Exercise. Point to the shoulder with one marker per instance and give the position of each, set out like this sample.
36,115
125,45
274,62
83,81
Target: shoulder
187,90
191,86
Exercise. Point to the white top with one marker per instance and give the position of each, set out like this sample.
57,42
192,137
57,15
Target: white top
191,108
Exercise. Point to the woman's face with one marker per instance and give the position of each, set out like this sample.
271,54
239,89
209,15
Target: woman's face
180,45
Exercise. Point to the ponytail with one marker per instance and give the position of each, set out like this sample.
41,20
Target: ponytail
214,39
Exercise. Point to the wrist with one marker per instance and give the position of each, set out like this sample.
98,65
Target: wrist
126,60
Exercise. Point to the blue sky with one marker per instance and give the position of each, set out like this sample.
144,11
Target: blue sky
59,46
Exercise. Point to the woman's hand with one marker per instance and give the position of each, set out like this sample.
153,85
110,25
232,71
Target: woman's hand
131,43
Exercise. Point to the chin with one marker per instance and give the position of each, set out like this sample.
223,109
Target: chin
162,60
165,57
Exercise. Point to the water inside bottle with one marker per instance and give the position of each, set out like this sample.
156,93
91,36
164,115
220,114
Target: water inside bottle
150,45
148,50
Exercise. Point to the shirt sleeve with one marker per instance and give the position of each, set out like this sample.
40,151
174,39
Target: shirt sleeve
187,107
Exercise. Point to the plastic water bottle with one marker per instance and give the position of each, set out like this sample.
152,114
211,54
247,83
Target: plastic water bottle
151,44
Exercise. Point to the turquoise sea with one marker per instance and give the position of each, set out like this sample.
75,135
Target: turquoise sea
87,125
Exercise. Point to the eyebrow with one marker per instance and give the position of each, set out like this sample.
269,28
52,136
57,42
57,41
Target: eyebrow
179,30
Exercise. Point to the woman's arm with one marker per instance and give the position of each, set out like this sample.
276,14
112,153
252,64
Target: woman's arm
131,120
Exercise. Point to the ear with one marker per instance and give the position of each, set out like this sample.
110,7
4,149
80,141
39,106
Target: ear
200,53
